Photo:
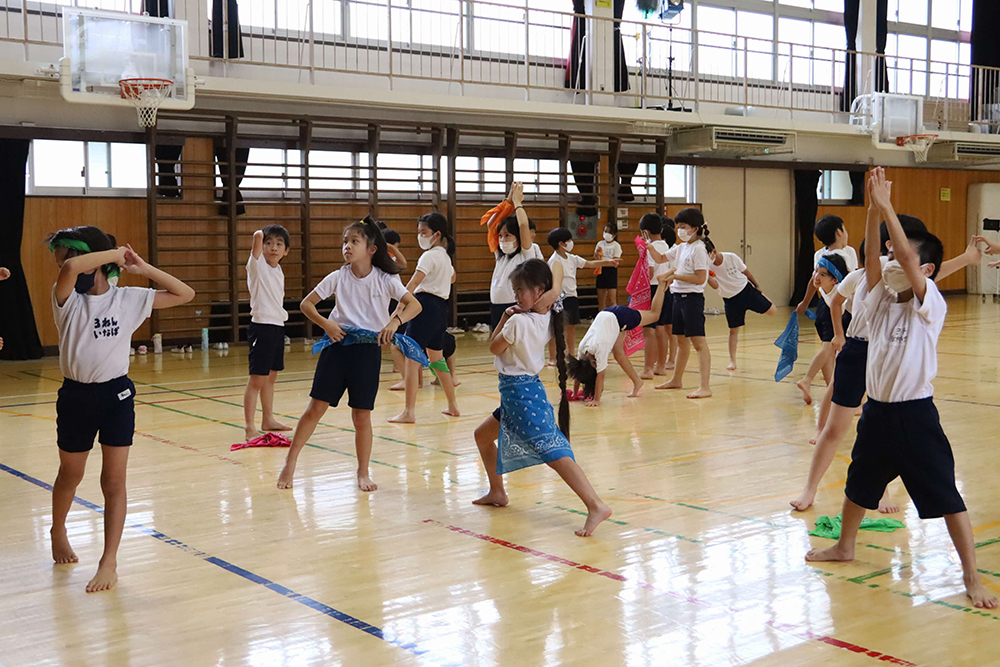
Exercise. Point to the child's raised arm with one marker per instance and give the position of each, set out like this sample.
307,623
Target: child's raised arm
972,255
902,251
258,244
873,243
396,255
74,266
176,293
594,263
524,228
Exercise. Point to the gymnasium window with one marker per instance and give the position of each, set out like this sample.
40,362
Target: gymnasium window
86,168
835,187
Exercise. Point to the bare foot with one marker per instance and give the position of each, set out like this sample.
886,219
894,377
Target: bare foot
403,417
886,506
493,498
105,579
670,384
636,388
700,393
452,411
660,371
274,426
804,388
834,553
594,518
285,478
669,366
366,484
62,552
981,598
731,366
551,363
399,386
804,501
250,433
646,374
812,440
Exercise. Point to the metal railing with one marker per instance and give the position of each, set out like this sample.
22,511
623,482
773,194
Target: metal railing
463,45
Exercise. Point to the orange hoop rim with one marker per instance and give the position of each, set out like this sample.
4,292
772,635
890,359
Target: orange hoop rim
914,138
130,87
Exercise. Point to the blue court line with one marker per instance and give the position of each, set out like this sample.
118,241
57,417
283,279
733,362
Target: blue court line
309,602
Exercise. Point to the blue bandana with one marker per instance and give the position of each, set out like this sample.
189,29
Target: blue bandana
829,266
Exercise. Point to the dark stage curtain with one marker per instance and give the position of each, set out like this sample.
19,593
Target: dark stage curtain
17,318
985,53
576,65
222,159
218,25
584,176
852,10
806,206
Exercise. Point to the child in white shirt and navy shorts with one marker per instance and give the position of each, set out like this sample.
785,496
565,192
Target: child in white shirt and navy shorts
739,291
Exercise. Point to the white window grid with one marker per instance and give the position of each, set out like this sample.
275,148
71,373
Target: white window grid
105,169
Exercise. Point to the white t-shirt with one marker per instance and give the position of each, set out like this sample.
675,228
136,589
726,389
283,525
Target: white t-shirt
855,288
528,335
361,302
902,347
659,268
611,250
571,264
689,258
95,332
501,291
730,275
600,339
267,291
534,252
848,253
436,266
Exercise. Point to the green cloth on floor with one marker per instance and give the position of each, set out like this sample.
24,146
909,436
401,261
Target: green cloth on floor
827,526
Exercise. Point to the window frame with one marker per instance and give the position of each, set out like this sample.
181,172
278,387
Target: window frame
32,189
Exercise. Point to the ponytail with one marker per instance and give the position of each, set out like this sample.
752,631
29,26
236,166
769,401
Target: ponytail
439,224
373,235
559,335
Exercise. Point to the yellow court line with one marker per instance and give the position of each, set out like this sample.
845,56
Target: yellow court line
985,526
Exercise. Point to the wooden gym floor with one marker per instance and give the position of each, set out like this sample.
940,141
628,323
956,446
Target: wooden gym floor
701,564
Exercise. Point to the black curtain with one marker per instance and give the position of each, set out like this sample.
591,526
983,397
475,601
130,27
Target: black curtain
626,170
166,169
159,8
584,176
985,53
218,23
852,9
222,159
17,318
576,65
806,206
857,188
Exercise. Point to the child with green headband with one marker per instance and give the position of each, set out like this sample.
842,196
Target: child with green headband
96,320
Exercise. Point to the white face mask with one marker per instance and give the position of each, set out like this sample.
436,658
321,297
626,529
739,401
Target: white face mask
569,246
608,238
684,235
425,242
894,277
507,247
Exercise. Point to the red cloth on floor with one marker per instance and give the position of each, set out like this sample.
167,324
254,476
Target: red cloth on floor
266,440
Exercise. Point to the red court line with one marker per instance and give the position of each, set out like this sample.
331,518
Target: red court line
797,631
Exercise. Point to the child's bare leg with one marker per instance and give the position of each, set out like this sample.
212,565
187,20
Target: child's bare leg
826,447
662,349
115,507
612,297
960,529
734,339
843,550
486,440
704,368
824,412
446,383
602,299
817,363
255,384
363,446
828,366
886,504
672,345
268,422
303,431
618,351
398,366
71,467
683,352
574,476
570,337
451,369
411,369
650,353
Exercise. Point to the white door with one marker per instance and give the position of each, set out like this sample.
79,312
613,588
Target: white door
769,231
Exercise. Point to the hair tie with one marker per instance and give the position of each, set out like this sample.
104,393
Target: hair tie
829,266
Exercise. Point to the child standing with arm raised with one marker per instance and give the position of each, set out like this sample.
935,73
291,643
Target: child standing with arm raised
96,321
266,333
900,432
363,289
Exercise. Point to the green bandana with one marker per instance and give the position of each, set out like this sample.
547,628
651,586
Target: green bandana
74,244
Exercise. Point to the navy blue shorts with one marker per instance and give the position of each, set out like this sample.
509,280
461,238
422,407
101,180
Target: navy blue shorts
102,410
689,314
904,440
750,298
824,321
666,312
849,375
449,345
428,327
608,278
267,348
628,318
351,368
496,314
571,310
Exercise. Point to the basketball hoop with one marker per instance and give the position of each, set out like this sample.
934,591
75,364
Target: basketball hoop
919,144
146,95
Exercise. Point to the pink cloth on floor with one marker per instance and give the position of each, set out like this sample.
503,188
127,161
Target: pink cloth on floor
266,440
639,298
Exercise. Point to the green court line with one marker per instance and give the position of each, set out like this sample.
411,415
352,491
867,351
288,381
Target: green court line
878,573
987,542
707,509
